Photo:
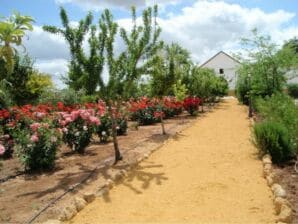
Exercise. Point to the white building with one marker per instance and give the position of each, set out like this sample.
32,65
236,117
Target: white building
224,65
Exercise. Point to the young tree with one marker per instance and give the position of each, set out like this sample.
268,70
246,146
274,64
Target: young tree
141,45
12,30
84,69
125,69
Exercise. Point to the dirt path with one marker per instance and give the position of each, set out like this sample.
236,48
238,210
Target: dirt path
208,174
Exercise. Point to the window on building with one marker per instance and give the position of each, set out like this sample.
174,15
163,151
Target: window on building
221,71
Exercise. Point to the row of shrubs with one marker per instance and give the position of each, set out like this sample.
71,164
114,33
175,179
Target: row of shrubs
36,132
277,133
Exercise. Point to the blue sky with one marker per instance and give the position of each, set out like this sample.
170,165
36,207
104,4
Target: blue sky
47,11
203,27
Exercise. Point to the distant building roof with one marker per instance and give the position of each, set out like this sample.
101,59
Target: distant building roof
217,55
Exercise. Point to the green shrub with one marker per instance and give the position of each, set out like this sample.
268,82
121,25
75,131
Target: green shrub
66,96
274,138
293,90
104,129
282,109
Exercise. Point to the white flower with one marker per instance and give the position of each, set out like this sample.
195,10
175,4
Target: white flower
53,139
77,133
117,127
85,128
103,133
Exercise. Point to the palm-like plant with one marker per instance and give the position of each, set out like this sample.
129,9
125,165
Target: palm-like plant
12,31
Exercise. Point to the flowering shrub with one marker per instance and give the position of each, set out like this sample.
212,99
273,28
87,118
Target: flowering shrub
36,146
142,110
6,146
171,107
191,104
77,127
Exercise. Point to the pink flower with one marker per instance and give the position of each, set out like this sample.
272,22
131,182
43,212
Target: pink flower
94,120
62,123
75,114
2,150
34,138
34,126
68,120
65,130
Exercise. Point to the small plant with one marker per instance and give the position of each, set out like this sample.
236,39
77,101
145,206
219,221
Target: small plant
274,138
37,146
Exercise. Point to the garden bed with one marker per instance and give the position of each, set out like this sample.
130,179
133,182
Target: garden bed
288,178
29,193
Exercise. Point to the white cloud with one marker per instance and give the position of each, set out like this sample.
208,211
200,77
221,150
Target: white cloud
203,28
43,45
56,67
210,26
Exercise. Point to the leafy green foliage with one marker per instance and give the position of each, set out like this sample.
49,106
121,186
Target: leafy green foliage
12,30
180,90
274,138
266,64
171,64
66,96
282,109
293,90
204,83
84,69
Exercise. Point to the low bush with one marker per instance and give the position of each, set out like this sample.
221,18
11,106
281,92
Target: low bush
104,129
293,90
37,146
78,127
282,109
191,105
274,138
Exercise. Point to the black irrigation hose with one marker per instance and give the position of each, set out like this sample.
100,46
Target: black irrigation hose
63,194
11,177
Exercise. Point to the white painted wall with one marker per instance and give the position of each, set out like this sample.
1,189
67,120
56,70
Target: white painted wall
223,61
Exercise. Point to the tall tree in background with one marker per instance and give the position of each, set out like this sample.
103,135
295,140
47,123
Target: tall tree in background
84,69
170,65
12,30
267,65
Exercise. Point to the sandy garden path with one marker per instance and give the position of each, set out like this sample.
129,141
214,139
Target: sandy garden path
209,173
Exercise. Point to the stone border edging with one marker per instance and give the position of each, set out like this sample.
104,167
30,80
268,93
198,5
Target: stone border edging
282,206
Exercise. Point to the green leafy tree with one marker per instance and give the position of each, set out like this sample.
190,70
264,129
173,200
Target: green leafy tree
84,69
267,65
124,69
12,30
172,63
142,43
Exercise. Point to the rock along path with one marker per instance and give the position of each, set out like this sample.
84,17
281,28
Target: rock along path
209,173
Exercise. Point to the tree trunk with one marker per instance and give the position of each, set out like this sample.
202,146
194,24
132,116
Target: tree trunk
163,126
118,156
